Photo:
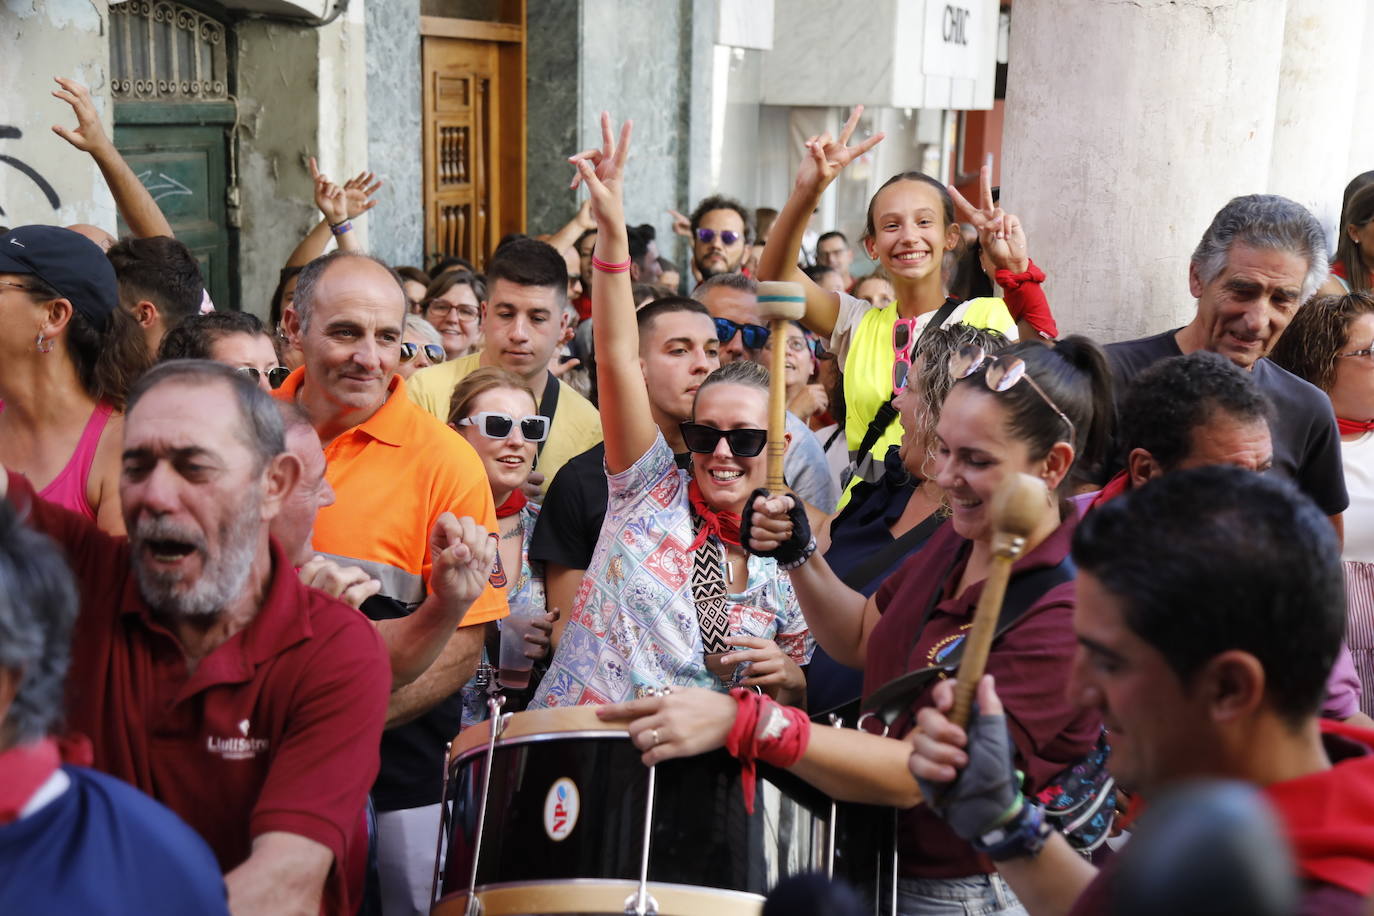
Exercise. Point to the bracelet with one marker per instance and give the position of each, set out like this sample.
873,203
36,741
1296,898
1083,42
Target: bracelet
341,228
607,268
806,553
1023,837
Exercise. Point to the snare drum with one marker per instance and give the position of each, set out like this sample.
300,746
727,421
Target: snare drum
567,807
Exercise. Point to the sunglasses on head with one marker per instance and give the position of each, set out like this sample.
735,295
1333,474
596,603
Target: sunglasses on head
743,443
727,236
753,336
1001,374
275,376
496,425
433,352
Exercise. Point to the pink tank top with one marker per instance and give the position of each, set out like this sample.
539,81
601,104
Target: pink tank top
68,488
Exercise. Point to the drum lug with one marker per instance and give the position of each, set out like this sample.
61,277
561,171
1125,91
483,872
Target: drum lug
641,905
474,907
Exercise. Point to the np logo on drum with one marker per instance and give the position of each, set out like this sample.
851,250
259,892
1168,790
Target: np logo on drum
560,809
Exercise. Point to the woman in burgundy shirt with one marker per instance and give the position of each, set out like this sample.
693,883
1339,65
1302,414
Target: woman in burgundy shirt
1034,409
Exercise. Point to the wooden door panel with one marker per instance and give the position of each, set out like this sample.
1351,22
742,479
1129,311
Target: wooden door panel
472,127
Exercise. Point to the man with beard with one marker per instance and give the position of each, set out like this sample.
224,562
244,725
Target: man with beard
203,671
720,236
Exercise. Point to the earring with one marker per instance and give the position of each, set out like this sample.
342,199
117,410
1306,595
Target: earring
44,344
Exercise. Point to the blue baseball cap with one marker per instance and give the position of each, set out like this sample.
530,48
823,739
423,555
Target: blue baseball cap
68,262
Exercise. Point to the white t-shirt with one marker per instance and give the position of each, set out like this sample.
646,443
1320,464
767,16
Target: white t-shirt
1357,456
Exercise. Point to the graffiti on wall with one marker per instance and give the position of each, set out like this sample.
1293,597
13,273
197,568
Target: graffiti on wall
8,132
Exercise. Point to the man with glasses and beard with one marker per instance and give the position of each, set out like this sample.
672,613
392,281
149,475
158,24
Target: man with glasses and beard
203,671
720,236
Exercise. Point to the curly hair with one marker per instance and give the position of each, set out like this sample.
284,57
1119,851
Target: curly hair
1317,334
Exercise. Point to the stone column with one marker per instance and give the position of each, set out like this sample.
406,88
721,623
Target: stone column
394,130
1321,82
1128,126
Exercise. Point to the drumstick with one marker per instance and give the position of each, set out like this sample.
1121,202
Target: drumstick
779,303
1016,508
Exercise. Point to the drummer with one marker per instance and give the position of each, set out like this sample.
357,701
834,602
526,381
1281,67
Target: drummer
669,574
1032,410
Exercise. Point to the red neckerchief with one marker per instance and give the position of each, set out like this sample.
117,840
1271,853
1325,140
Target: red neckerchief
23,770
1354,426
724,525
1329,815
1114,488
513,504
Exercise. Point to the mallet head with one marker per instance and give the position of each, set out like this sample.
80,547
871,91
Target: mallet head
780,301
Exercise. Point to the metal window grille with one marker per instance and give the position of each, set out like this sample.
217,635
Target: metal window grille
168,52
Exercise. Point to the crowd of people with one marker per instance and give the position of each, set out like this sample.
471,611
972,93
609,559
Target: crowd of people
254,576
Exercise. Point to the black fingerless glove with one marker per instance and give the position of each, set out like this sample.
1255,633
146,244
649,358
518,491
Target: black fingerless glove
791,553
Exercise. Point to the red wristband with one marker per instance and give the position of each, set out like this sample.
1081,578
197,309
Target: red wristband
1011,281
768,731
606,268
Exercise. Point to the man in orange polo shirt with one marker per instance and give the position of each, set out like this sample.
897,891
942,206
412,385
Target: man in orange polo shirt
394,469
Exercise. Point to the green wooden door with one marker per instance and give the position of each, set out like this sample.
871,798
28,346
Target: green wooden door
180,153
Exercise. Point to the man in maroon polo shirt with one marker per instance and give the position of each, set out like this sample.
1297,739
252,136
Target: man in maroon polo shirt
202,669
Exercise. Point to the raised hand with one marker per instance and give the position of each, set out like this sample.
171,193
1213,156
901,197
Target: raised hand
770,523
359,192
89,135
329,197
827,155
999,232
464,554
603,171
682,225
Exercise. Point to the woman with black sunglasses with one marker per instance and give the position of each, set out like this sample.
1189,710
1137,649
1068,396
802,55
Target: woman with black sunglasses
671,598
1030,409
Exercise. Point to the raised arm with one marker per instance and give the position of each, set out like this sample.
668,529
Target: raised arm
825,157
132,199
625,415
338,206
566,237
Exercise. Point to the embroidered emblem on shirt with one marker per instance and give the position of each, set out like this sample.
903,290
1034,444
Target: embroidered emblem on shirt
237,748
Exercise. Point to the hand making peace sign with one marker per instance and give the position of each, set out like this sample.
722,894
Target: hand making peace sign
603,170
827,155
999,232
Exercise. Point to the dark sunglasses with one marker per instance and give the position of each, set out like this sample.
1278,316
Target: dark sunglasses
496,425
702,439
434,352
754,336
275,376
727,236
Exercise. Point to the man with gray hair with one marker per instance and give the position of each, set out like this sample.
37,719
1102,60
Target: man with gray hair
203,671
1262,257
70,835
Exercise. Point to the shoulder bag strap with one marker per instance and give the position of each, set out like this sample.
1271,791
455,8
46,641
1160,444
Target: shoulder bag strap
862,574
548,405
708,593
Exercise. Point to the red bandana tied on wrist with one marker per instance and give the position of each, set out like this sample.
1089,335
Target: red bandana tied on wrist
724,525
1350,427
25,769
513,504
768,731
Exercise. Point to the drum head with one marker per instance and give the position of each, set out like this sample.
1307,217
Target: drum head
600,898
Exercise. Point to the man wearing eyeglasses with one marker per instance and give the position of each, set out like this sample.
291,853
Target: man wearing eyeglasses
1261,258
720,236
394,471
523,323
236,339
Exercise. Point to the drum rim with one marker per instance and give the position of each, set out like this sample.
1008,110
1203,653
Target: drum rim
581,893
480,750
558,722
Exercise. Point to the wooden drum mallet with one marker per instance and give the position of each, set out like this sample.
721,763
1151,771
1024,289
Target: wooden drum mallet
779,303
1016,509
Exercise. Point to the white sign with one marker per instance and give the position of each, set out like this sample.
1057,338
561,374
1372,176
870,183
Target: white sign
561,807
960,39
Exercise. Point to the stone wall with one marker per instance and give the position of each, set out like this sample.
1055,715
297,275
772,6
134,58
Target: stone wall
394,128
